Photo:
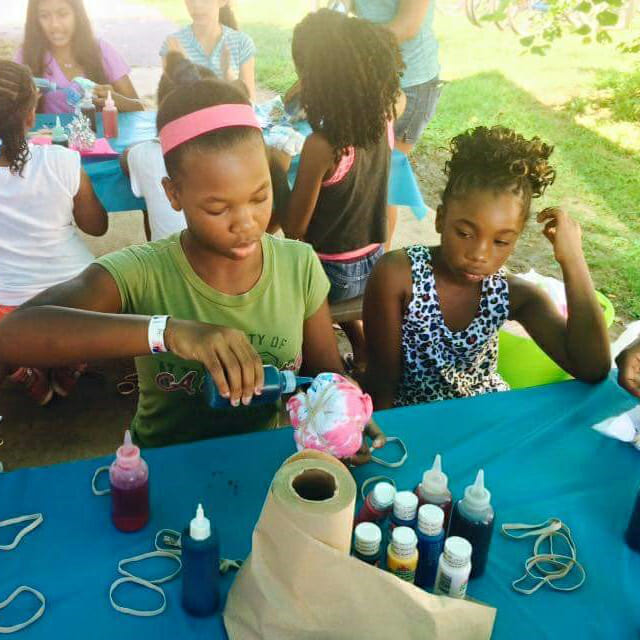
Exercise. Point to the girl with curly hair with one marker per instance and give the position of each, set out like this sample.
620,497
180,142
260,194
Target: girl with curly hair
432,314
44,195
59,45
349,72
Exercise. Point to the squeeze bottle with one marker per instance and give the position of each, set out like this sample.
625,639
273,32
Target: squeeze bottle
434,489
200,567
276,383
129,480
472,519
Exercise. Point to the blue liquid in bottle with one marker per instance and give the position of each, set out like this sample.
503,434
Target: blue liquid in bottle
472,519
200,567
430,544
276,383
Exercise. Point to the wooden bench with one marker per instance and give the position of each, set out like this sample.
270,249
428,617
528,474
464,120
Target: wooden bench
347,310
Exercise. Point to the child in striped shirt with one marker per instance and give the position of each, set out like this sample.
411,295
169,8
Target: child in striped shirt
213,41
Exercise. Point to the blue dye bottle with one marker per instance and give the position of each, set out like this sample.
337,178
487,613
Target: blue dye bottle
405,510
276,383
200,567
44,85
430,544
472,519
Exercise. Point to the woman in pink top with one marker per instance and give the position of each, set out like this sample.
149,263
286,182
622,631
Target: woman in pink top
59,45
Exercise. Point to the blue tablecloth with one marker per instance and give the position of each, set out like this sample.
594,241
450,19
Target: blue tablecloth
114,189
539,454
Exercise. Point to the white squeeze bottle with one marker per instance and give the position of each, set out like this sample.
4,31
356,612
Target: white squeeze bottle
434,489
454,568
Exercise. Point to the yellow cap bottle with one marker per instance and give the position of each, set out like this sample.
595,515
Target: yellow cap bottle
402,554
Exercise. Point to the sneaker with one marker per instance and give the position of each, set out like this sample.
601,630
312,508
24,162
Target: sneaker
36,382
64,379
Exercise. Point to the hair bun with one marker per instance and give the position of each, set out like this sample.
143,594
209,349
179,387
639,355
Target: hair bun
181,70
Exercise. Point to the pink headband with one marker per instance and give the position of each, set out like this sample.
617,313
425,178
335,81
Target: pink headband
195,124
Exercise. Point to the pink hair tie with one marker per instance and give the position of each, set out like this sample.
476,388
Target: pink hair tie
195,124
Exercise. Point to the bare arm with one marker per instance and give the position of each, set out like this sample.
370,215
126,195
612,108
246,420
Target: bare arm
316,159
629,368
408,19
385,299
581,344
88,211
248,76
123,93
319,347
80,320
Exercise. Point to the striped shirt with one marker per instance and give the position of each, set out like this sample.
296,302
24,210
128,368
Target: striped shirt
240,45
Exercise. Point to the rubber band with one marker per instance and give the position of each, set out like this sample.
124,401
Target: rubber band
375,480
96,491
33,618
397,463
172,541
137,612
547,530
37,521
146,556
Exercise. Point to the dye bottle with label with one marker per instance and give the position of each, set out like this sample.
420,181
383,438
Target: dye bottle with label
110,118
434,489
59,135
200,567
430,544
367,542
88,109
276,383
632,534
472,519
377,505
402,554
454,568
405,510
129,481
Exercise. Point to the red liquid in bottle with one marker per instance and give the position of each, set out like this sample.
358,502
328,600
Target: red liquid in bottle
129,480
130,507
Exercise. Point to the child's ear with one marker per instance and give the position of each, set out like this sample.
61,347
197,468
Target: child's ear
30,122
440,212
173,193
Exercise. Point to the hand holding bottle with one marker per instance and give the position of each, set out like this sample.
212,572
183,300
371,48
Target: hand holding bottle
227,353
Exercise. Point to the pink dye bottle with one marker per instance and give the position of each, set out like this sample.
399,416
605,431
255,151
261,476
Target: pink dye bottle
129,479
110,118
434,489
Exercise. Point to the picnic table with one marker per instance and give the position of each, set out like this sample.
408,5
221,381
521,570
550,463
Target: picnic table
114,189
540,456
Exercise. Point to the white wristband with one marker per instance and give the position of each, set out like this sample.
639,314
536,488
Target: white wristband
155,334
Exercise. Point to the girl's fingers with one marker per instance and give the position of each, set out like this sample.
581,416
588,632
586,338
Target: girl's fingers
376,434
233,371
247,367
217,374
259,372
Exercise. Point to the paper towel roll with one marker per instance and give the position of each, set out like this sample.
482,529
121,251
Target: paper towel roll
317,494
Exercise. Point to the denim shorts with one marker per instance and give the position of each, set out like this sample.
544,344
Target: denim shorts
421,107
349,279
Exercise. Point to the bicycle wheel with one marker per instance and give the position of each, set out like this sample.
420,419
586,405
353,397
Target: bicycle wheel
527,17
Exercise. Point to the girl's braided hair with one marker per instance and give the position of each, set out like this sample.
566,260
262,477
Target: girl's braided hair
498,159
350,77
17,96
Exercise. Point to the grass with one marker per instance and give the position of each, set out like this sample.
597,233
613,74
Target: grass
490,81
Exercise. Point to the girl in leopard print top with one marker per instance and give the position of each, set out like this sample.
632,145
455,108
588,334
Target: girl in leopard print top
432,315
